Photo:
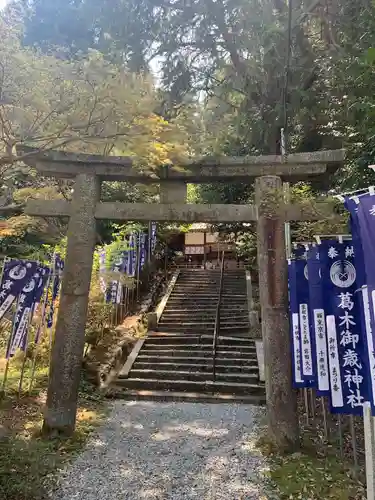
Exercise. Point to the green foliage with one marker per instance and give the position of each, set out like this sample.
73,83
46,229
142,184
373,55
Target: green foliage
304,476
220,89
85,104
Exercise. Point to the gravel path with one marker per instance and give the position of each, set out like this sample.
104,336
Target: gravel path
176,451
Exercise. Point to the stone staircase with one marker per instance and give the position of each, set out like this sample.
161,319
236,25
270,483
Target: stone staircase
191,307
176,362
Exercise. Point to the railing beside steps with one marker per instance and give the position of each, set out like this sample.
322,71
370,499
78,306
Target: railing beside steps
217,319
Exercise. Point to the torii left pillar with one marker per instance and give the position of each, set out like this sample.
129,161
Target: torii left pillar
61,407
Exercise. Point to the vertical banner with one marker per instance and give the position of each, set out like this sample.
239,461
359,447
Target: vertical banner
122,270
346,346
365,284
299,252
30,294
16,275
41,289
102,269
153,236
308,357
57,272
131,256
318,320
135,253
142,250
119,266
298,381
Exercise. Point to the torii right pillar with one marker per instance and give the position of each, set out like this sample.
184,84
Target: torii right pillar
281,399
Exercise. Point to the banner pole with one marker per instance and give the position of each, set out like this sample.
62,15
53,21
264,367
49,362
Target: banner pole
324,418
5,377
5,260
116,314
149,246
354,441
339,428
312,400
25,353
40,328
138,264
306,405
369,432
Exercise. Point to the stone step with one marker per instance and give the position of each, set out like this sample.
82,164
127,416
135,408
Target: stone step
189,305
206,338
175,339
191,385
204,294
186,316
191,289
197,353
186,347
193,342
234,325
232,313
203,367
212,285
202,318
198,282
187,331
203,323
203,329
212,293
246,378
199,359
191,333
201,312
170,323
188,353
194,298
197,343
191,397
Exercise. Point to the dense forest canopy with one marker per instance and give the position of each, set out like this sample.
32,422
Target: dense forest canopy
163,80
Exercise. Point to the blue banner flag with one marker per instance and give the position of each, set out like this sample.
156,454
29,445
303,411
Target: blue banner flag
131,256
298,381
135,253
362,216
299,252
308,358
346,345
119,266
16,275
318,320
352,207
153,236
142,250
31,294
45,290
58,268
102,269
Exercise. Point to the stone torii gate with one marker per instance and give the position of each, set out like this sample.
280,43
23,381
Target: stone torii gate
270,212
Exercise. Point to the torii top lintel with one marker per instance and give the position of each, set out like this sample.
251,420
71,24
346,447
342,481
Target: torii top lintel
295,167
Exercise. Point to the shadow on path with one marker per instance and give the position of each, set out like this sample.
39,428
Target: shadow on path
149,450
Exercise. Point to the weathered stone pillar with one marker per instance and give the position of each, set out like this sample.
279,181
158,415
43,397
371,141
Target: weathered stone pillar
68,345
281,398
173,192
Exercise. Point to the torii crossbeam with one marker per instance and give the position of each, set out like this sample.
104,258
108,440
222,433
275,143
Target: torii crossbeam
270,212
